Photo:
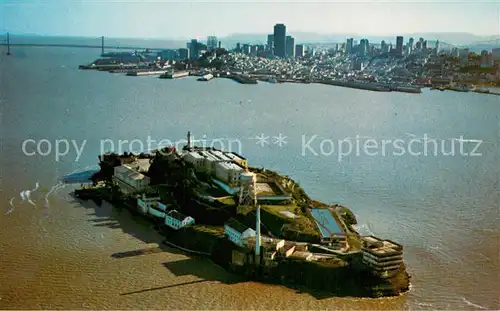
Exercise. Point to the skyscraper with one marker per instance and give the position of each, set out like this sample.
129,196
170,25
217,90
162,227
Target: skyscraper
183,53
246,49
270,42
348,47
193,49
399,46
463,54
211,43
437,47
299,51
421,43
363,47
290,47
410,44
280,40
383,46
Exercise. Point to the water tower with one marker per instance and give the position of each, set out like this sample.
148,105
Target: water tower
248,192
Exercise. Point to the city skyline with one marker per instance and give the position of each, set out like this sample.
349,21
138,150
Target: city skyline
200,19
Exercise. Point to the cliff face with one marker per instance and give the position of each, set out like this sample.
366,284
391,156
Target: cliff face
337,278
341,280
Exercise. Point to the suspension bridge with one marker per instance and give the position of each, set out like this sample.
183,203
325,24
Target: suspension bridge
8,42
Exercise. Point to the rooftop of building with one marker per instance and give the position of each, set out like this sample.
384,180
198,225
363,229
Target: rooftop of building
176,215
143,164
301,254
230,166
129,172
236,225
380,246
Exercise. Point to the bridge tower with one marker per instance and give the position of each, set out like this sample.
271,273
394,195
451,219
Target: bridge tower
8,44
102,45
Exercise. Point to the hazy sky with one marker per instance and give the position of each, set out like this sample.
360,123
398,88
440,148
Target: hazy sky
197,19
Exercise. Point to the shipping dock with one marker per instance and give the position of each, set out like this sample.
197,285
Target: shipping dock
359,85
407,89
146,73
174,75
242,79
206,77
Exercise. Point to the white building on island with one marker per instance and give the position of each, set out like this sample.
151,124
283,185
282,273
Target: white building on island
237,232
381,255
129,179
176,220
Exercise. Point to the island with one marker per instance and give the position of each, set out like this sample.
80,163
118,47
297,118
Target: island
252,221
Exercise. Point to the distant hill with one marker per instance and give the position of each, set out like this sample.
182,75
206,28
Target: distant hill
452,38
474,42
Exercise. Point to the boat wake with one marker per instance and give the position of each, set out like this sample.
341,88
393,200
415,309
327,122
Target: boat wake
424,304
52,190
473,304
11,209
26,194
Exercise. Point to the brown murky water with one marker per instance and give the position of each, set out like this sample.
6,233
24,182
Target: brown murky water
70,262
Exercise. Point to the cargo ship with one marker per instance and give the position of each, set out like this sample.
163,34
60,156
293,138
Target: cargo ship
251,221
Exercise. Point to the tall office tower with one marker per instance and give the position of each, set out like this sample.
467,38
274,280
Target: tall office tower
383,46
349,45
290,47
183,53
270,42
424,45
399,46
363,47
495,53
299,51
211,43
193,49
463,54
238,47
246,49
484,58
437,47
280,40
253,50
421,42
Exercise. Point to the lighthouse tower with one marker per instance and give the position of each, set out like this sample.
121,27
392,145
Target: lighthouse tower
189,141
